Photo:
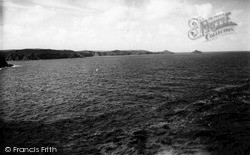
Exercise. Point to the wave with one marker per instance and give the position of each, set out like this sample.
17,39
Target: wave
227,87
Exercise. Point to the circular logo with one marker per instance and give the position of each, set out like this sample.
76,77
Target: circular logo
7,149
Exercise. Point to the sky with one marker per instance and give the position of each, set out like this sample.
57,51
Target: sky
153,25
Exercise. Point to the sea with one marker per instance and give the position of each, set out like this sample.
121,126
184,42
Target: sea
169,104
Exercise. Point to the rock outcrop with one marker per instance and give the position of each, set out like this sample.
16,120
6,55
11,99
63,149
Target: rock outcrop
3,62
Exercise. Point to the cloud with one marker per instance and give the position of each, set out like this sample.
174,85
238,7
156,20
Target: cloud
161,8
20,14
100,24
204,10
168,29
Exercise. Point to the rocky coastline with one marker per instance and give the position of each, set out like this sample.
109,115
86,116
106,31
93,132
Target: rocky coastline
3,62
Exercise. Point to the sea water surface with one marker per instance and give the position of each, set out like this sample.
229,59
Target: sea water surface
146,104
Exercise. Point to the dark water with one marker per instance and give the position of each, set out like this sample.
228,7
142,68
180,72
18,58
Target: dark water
152,104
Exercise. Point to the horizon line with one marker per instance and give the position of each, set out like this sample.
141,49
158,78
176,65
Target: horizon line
118,50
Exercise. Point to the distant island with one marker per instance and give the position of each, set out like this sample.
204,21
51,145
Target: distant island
197,52
166,52
129,52
37,54
122,52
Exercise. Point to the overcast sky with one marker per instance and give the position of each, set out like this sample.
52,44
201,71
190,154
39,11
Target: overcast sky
118,24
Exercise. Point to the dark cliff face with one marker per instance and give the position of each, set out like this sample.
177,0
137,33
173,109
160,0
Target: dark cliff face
3,62
36,54
86,53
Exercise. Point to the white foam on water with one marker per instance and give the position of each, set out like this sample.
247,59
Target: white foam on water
16,66
11,66
165,152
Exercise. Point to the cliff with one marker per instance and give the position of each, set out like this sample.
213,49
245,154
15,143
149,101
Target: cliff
86,53
36,54
3,62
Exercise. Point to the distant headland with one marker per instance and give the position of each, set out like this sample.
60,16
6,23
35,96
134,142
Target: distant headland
37,54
